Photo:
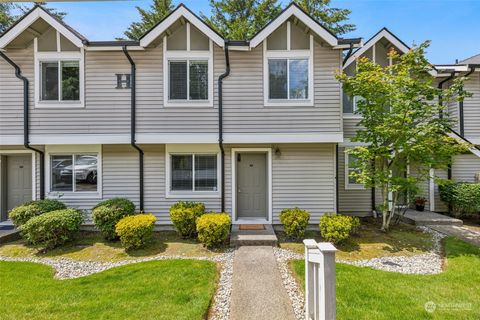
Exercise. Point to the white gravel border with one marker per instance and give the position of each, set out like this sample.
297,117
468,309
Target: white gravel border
427,263
70,269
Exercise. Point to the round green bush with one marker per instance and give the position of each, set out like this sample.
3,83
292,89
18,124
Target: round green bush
107,213
53,228
464,198
184,214
294,222
336,228
21,214
135,231
213,229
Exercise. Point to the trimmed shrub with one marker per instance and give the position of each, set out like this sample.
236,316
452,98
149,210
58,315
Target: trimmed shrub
107,213
53,228
21,214
464,198
135,231
213,229
336,228
184,215
294,222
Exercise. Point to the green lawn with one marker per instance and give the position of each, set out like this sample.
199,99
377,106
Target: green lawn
365,293
170,289
92,247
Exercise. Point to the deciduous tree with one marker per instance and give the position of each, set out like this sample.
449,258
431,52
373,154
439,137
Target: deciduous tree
401,125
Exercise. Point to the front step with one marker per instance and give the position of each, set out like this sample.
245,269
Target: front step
245,236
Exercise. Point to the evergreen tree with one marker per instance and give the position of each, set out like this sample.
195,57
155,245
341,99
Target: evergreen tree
241,19
331,18
6,17
149,18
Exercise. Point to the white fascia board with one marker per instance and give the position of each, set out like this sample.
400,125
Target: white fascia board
114,48
370,43
174,16
79,139
327,137
447,68
309,22
473,150
30,19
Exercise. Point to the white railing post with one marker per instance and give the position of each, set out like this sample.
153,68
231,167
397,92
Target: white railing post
320,291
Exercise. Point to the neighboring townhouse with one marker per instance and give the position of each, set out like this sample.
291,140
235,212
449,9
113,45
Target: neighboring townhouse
248,127
166,118
354,198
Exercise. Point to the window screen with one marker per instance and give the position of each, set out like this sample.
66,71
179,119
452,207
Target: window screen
182,172
193,172
277,75
178,80
49,80
198,80
70,80
298,76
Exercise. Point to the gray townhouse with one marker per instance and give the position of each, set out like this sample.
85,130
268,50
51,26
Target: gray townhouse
248,127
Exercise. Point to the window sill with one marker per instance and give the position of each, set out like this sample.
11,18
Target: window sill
192,195
352,116
73,195
60,105
288,103
188,104
355,187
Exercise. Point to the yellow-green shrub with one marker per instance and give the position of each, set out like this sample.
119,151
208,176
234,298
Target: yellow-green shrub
21,214
107,213
53,228
294,222
184,214
135,231
213,228
336,228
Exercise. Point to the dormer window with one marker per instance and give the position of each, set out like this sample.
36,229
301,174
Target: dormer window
188,61
288,67
58,72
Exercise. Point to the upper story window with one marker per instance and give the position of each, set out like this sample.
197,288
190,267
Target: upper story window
58,72
188,60
288,67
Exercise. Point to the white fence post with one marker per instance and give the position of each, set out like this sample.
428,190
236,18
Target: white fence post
320,291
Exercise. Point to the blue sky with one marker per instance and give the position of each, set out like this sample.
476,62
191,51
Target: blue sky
451,25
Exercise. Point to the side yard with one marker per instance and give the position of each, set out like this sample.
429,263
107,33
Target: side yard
365,293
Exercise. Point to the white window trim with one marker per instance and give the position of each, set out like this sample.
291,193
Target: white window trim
187,55
58,56
175,149
73,149
288,54
234,184
348,185
34,167
353,115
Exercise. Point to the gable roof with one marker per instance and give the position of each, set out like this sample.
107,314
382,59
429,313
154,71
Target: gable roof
472,60
294,10
38,12
181,11
383,33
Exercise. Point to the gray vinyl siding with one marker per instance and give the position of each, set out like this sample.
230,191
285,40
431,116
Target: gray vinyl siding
465,167
244,109
424,186
107,109
352,201
302,176
350,127
440,206
471,107
11,92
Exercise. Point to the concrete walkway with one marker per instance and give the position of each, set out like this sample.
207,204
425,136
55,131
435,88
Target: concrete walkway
427,218
459,232
258,291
